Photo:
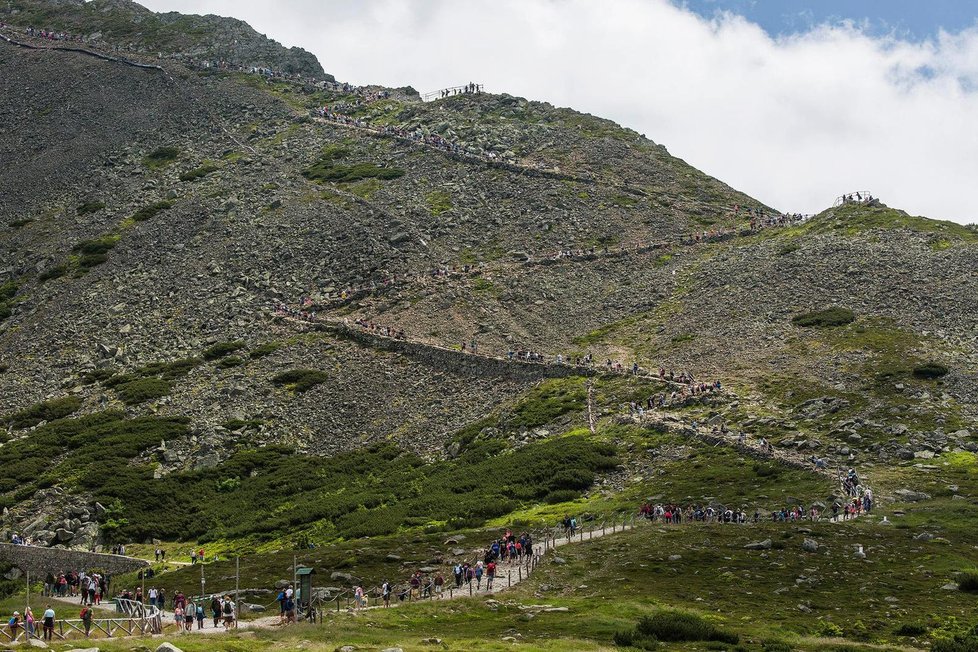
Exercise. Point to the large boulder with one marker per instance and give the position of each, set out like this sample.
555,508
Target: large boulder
760,545
168,647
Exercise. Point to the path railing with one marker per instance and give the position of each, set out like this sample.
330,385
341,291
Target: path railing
135,619
467,89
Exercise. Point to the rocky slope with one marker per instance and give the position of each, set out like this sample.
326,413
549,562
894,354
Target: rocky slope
126,25
152,217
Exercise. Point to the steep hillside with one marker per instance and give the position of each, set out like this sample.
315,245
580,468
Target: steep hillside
130,26
169,233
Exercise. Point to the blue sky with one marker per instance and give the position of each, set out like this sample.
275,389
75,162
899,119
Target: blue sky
910,19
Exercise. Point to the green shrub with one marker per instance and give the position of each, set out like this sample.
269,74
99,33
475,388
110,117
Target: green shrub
227,485
57,408
52,273
88,261
16,224
140,390
96,246
151,211
90,207
230,361
968,581
222,349
161,157
679,626
301,380
828,318
8,290
930,371
967,642
561,496
263,350
911,629
827,629
198,173
326,169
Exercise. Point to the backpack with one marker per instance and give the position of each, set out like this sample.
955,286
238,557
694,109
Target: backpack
228,609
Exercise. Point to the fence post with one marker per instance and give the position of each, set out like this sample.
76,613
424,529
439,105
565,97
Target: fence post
509,578
470,587
519,573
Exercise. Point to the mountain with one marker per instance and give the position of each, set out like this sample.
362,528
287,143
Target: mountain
130,27
154,221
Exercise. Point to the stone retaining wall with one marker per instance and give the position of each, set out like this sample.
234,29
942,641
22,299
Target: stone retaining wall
41,561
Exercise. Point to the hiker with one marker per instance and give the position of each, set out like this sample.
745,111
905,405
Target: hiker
289,609
190,615
359,599
178,616
385,592
281,606
216,610
227,609
439,585
199,612
49,623
14,624
86,618
29,622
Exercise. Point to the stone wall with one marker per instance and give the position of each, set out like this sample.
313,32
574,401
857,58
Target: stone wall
41,561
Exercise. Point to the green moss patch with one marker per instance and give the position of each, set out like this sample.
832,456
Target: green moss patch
327,169
438,202
263,350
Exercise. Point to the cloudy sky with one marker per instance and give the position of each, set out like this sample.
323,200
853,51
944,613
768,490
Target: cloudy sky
794,102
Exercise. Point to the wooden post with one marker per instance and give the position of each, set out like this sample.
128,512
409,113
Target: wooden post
237,585
509,578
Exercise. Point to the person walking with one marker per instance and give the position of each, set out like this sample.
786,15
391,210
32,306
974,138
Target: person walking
86,618
49,623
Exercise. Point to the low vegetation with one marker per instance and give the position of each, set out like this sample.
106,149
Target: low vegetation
199,172
263,350
161,157
152,210
57,408
90,207
300,380
327,169
8,292
438,202
222,349
827,318
930,371
141,390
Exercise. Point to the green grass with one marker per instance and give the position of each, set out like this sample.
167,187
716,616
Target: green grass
57,408
300,380
199,172
161,157
230,362
152,210
438,202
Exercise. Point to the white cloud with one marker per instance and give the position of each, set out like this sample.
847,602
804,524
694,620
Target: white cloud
793,121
